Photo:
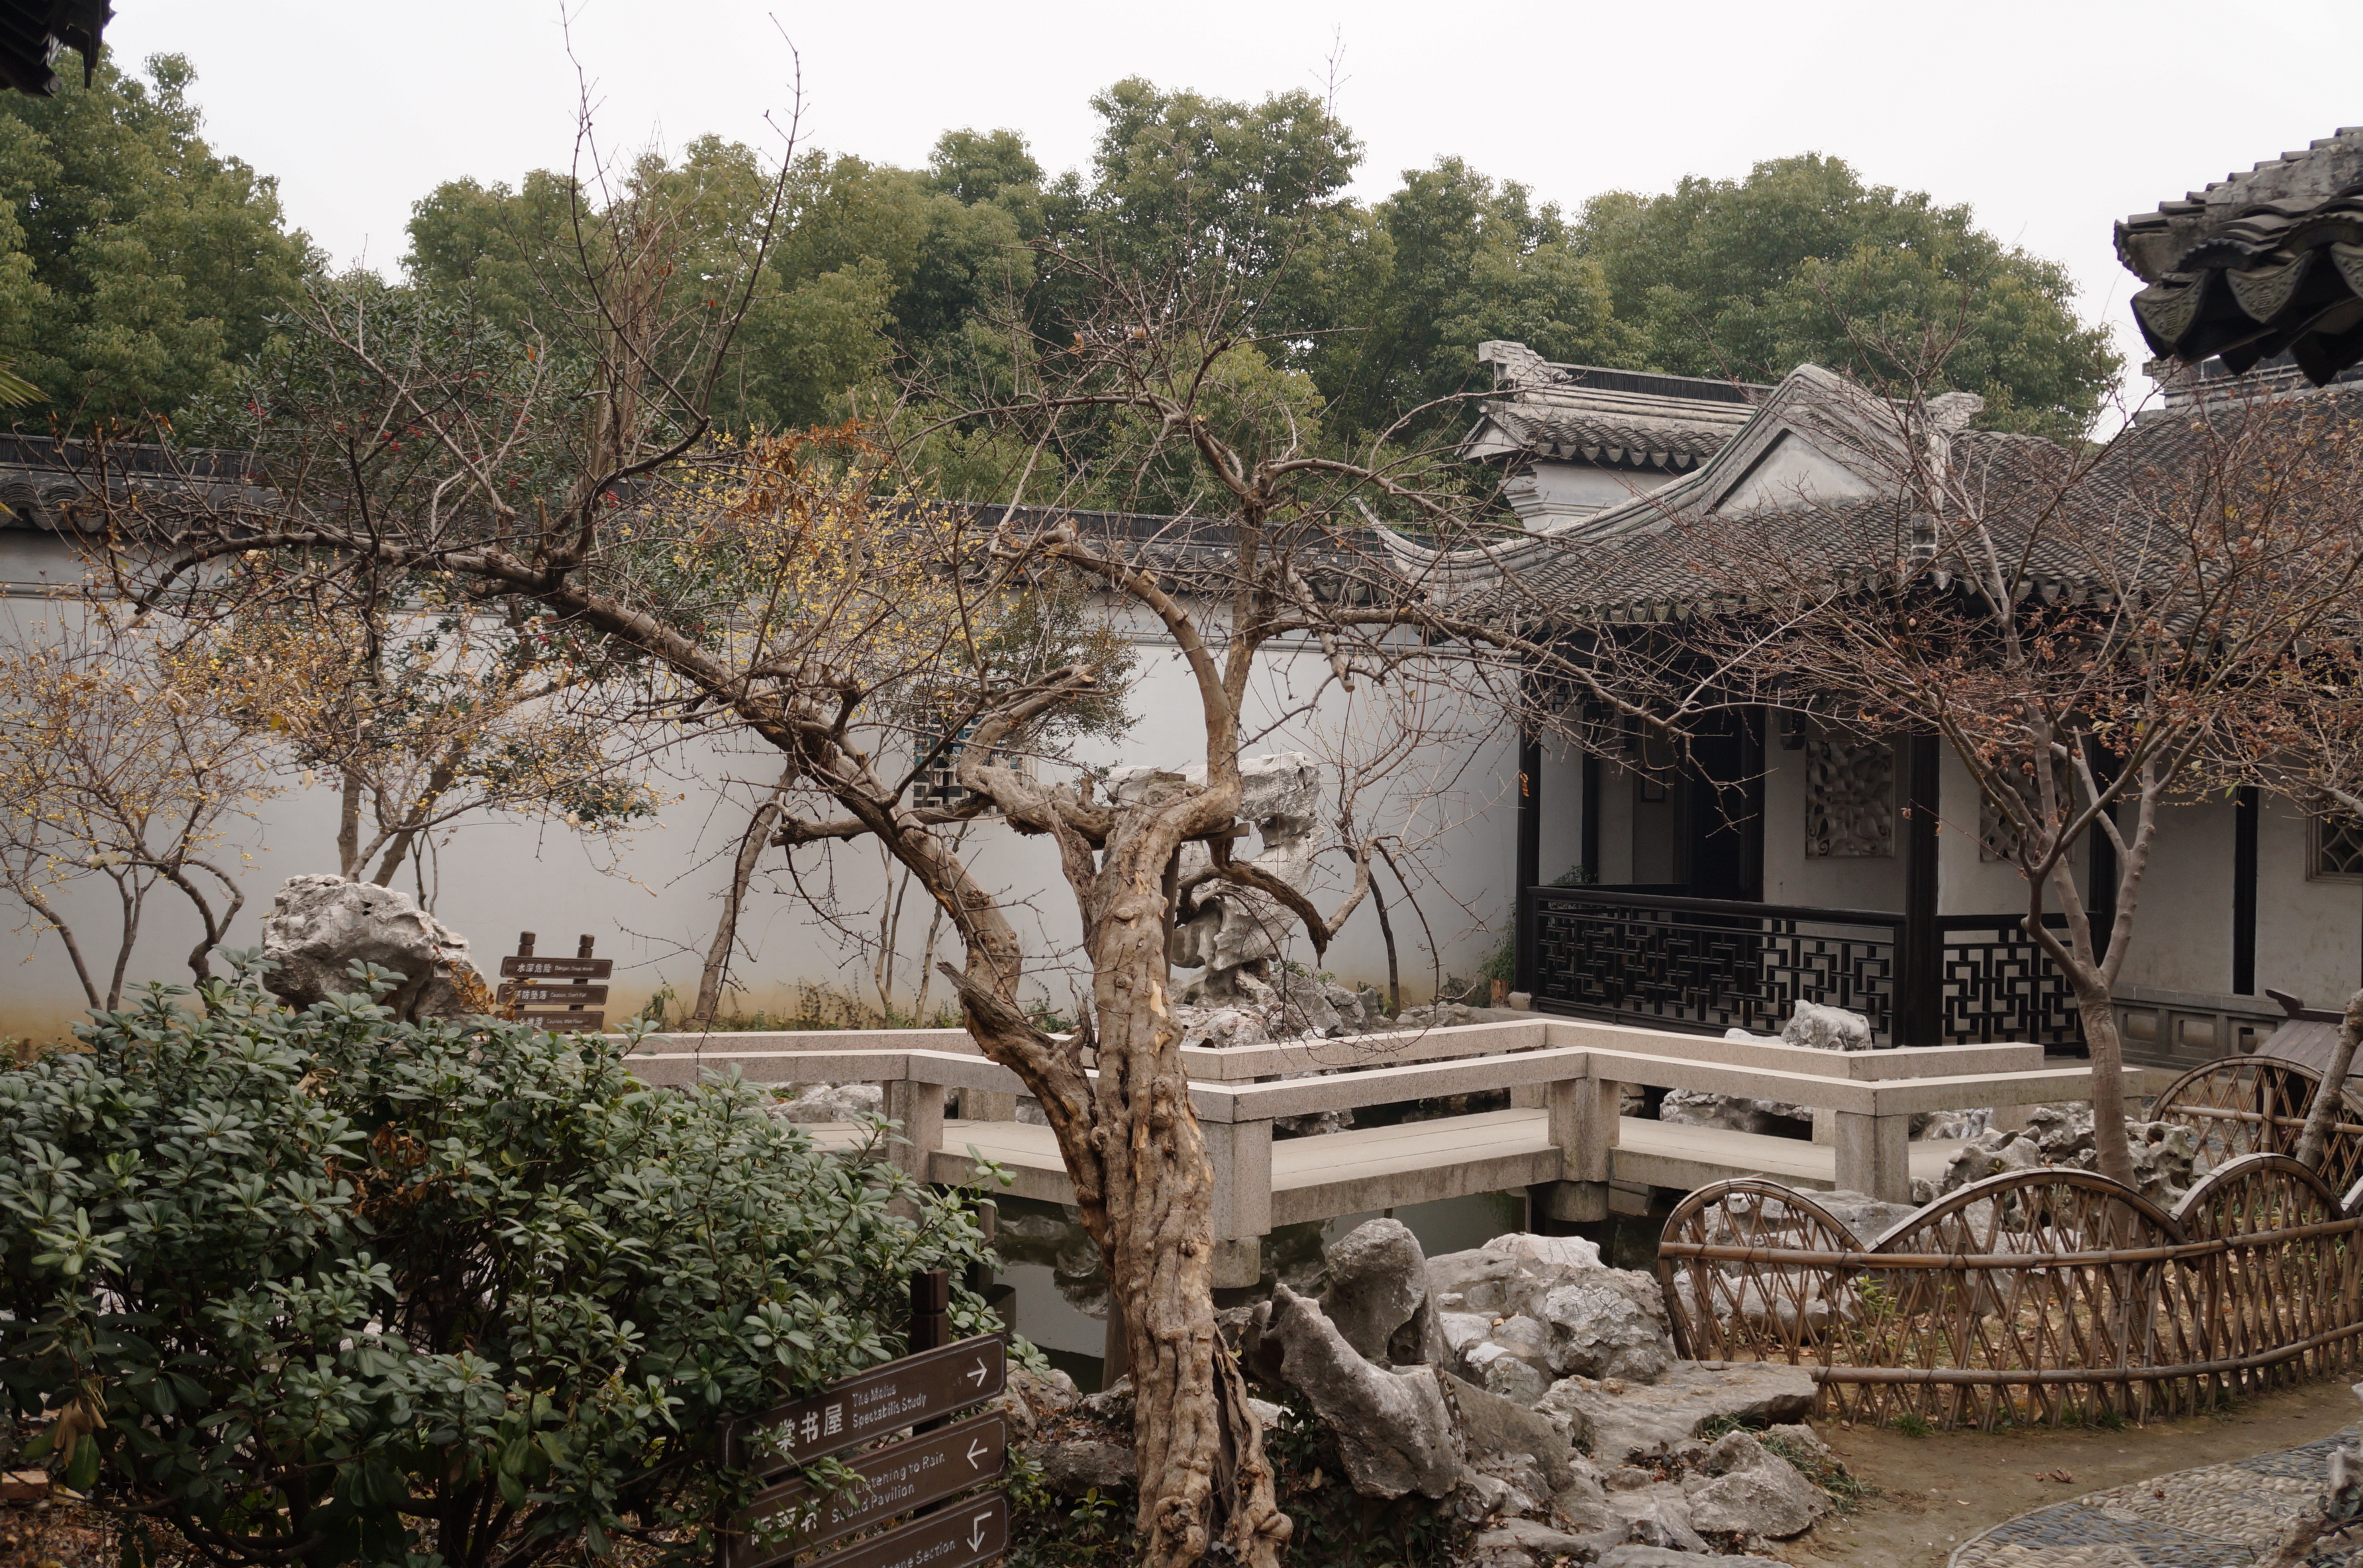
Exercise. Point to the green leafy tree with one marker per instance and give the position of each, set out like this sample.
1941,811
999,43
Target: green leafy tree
323,1289
137,264
1802,261
1449,260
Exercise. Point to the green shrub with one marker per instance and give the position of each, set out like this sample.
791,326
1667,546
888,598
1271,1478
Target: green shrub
326,1288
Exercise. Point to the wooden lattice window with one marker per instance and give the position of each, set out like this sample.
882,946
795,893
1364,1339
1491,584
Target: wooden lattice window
2338,846
938,783
1849,797
1997,834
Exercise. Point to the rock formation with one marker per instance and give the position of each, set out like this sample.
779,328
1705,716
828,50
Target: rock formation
2165,1154
319,927
1394,1430
1237,933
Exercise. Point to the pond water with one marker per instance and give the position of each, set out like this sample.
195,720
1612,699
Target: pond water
1059,1288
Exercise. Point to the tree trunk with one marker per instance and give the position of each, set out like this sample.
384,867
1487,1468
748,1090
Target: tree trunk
2108,1056
716,973
1202,1474
348,826
1387,931
2314,1144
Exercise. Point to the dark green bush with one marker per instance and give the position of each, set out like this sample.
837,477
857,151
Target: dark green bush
326,1288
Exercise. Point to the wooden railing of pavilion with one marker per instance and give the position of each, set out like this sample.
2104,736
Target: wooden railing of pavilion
1658,960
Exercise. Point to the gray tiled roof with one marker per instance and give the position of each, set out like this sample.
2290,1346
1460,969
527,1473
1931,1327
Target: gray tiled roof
2257,264
1679,551
1610,418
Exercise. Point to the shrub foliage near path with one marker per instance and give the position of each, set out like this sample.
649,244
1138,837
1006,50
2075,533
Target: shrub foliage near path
326,1288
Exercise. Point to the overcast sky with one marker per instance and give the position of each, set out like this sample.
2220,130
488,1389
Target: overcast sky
2050,119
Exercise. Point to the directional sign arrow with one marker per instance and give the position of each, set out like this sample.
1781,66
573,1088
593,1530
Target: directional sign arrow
793,1518
952,1539
927,1386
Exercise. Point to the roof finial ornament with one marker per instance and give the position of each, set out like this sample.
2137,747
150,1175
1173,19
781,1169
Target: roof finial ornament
1514,364
1951,412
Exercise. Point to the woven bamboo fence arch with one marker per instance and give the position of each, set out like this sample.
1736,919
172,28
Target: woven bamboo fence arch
2255,1105
2037,1296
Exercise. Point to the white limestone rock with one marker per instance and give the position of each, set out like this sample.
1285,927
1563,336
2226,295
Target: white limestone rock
1735,1113
1511,1442
1237,933
1827,1028
1658,1516
1507,1273
2165,1155
1394,1430
1616,1420
1461,1330
1951,1126
1753,1491
1378,1295
1523,1543
1754,1305
1609,1323
1565,1254
319,926
1439,1015
1640,1556
1867,1217
1500,1370
1220,1027
832,1102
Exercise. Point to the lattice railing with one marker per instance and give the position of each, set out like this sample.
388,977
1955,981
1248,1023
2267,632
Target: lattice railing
1653,959
1659,960
2043,1295
1996,984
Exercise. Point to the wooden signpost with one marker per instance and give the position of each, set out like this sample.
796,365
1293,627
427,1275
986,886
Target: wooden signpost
918,1388
941,1460
582,969
894,1480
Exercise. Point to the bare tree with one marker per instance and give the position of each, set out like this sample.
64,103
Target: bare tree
120,767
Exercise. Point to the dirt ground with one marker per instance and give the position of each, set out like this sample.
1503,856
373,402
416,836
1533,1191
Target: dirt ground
1938,1491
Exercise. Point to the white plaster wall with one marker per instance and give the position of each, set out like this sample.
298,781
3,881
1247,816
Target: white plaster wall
649,901
1570,490
1967,883
1562,809
1791,876
2309,930
2182,924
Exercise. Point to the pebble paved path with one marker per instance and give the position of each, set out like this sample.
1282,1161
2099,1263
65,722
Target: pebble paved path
2221,1515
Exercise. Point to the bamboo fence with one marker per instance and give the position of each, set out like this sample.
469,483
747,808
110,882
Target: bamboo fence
2040,1296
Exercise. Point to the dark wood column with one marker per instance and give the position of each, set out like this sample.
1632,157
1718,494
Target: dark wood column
2246,806
1919,997
1530,851
1592,816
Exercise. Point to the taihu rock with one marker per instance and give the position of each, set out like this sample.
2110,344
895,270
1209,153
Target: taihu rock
818,1103
1072,1469
319,926
1394,1431
1753,1491
1608,1322
1616,1420
1378,1294
1827,1028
